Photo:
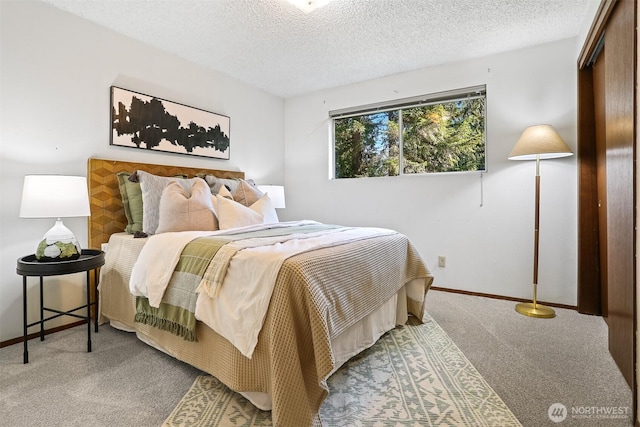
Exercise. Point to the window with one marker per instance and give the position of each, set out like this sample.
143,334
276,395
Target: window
443,132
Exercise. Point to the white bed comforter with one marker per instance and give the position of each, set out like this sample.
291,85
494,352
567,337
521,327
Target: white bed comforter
238,308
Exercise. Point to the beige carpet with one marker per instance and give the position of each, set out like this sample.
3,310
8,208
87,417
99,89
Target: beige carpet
413,376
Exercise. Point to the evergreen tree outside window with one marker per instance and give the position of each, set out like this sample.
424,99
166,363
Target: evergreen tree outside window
442,132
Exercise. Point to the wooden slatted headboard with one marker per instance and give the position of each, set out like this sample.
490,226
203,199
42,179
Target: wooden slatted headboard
107,213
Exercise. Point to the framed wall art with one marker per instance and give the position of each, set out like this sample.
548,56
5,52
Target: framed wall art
151,123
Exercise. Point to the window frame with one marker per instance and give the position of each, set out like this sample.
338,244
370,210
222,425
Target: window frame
468,93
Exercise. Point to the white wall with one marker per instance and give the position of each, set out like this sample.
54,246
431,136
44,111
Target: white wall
489,247
56,72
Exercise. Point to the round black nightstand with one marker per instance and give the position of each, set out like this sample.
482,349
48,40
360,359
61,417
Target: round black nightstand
90,259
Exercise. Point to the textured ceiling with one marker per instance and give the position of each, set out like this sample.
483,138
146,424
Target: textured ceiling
275,46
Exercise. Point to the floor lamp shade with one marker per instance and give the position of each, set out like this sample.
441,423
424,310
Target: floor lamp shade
537,143
55,196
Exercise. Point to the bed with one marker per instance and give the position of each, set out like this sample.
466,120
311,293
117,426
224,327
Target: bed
328,302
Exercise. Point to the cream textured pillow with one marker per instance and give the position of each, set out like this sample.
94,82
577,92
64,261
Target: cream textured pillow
246,193
181,211
232,214
152,187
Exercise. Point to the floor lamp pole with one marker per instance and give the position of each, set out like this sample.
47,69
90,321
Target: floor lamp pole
534,309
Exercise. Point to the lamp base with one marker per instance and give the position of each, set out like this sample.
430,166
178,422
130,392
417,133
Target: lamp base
541,311
58,244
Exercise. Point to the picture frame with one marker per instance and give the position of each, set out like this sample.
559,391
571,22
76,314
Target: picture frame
151,123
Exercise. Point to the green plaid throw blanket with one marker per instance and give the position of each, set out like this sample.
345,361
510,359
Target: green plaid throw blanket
176,313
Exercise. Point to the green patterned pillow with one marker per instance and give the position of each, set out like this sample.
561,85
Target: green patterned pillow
131,194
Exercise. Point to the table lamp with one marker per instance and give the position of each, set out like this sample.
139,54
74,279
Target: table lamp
55,196
537,143
276,194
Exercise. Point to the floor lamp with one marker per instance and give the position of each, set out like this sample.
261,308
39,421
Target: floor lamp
537,143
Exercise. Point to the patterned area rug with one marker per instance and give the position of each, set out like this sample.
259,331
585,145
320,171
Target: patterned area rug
413,376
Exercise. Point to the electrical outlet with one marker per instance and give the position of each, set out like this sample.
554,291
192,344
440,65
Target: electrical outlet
442,261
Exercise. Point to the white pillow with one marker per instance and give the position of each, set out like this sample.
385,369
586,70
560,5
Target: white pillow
232,214
224,193
264,206
181,211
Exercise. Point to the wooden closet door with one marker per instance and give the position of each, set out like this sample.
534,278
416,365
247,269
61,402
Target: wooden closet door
619,101
606,261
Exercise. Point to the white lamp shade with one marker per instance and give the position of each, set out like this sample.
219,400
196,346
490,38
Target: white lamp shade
540,140
276,194
54,196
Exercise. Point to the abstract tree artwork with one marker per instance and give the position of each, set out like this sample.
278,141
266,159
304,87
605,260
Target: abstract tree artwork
151,123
